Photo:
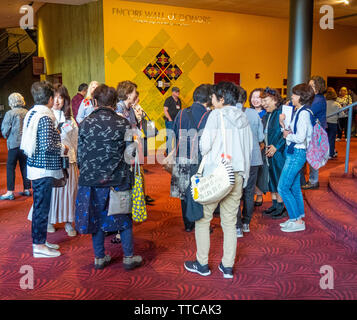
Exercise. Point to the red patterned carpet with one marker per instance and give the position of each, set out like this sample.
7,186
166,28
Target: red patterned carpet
270,264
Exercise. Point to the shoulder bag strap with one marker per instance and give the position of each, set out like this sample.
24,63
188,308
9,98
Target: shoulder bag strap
178,144
223,131
198,128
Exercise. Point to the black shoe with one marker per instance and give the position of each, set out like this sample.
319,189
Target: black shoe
148,199
227,272
258,203
26,193
269,211
189,229
279,213
310,186
195,266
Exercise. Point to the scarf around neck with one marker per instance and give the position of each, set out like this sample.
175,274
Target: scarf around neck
29,136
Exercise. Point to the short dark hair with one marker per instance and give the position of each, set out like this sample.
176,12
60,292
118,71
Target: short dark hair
228,91
242,95
63,92
42,92
175,89
251,95
305,92
202,93
320,84
125,88
82,87
105,96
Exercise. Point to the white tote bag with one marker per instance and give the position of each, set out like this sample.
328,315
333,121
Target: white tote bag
216,186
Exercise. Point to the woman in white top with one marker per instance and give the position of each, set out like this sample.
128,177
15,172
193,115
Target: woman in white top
298,136
62,209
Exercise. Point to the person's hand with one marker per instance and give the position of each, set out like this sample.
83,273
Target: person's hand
286,133
282,118
270,151
66,149
261,145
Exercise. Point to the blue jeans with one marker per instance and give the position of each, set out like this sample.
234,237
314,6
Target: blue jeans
42,191
289,186
170,137
126,241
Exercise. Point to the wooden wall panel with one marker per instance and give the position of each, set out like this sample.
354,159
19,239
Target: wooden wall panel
71,40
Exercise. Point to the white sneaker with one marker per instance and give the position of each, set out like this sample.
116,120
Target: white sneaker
51,228
284,224
69,229
50,245
240,233
46,252
293,227
246,227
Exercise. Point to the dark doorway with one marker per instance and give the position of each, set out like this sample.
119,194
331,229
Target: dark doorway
338,82
231,77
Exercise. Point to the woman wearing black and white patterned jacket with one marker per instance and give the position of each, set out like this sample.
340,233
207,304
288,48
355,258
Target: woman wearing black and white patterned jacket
41,143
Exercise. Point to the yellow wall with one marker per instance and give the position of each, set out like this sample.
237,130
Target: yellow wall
71,41
237,43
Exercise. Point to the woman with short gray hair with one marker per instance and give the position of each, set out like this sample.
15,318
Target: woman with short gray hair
11,129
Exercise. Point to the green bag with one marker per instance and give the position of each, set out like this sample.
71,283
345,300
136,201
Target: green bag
139,213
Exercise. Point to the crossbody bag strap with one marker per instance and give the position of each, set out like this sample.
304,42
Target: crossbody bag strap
223,132
178,144
198,129
203,162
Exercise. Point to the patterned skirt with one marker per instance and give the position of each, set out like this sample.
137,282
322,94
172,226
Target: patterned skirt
180,179
92,212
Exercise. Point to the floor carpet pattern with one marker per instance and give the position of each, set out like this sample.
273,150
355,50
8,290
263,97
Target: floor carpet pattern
270,264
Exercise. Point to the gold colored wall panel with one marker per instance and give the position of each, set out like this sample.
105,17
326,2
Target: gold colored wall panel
71,39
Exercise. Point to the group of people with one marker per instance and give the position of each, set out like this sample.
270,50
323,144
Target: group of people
75,153
272,160
74,161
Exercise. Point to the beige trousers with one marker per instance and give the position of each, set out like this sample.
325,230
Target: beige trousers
228,213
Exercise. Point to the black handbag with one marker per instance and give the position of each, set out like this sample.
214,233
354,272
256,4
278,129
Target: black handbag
60,183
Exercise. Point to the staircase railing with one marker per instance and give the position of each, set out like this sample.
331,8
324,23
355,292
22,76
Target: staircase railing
349,129
7,52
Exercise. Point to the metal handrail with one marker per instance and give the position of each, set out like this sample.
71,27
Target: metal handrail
4,36
4,53
349,129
